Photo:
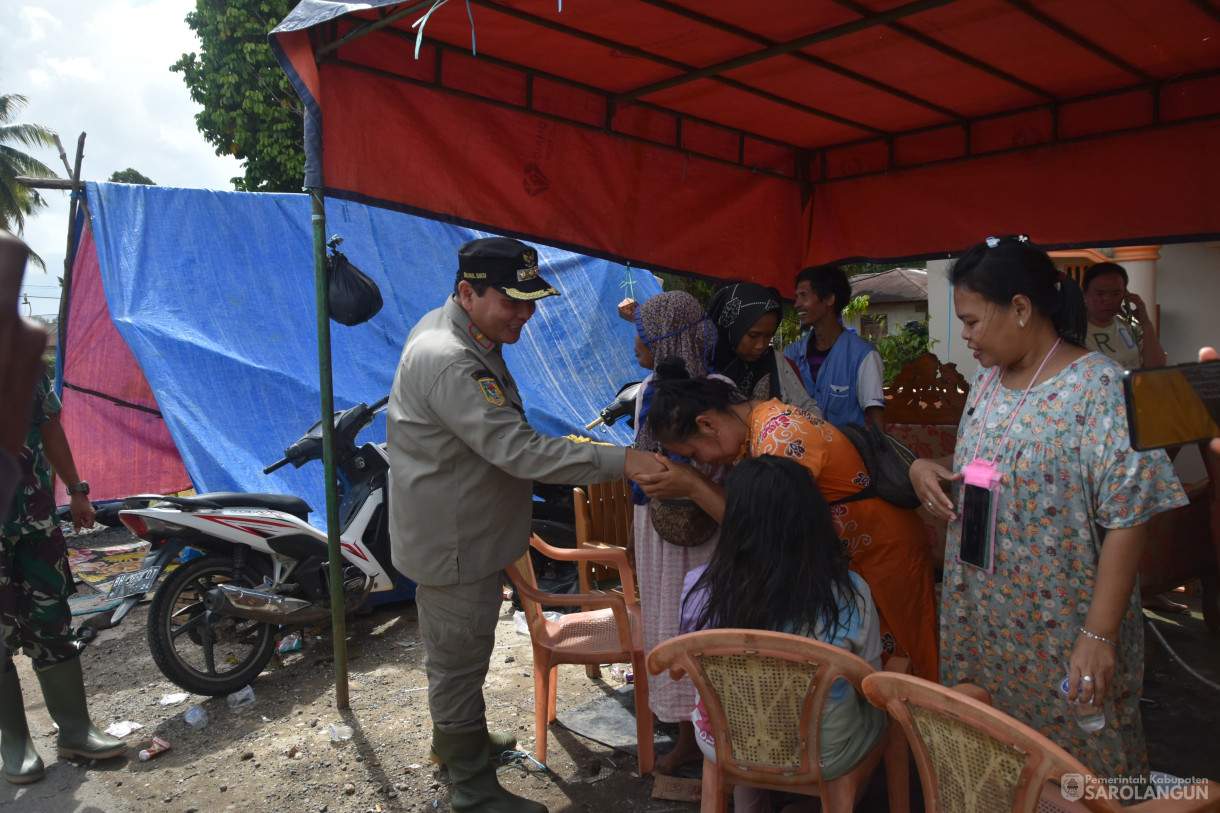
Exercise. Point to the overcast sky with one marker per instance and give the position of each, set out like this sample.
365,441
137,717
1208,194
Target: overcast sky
102,68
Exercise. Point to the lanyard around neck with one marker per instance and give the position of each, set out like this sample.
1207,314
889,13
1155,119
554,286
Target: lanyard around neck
1012,419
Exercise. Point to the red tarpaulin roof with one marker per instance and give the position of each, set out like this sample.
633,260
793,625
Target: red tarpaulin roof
734,139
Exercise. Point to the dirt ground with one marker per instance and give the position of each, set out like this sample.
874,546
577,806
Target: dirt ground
277,753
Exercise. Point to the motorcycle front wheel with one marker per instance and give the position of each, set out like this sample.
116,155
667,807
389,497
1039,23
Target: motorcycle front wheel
202,651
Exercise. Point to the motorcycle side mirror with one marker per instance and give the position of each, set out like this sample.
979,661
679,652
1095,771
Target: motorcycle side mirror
622,405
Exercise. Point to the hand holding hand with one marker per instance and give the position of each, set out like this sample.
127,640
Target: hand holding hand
640,464
674,481
930,480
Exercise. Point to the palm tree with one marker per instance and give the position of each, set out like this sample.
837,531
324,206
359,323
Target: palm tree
17,201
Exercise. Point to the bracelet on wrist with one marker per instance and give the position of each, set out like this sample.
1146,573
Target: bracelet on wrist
1088,634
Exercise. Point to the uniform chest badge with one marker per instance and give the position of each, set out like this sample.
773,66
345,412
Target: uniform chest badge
492,392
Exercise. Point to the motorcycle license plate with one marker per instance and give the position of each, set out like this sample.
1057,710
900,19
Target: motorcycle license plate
131,584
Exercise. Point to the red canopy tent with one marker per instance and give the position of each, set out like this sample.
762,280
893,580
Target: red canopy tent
734,139
731,139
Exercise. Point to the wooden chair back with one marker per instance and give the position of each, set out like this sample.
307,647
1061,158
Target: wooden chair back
922,410
603,517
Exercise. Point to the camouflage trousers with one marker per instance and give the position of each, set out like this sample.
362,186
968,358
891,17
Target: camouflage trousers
35,583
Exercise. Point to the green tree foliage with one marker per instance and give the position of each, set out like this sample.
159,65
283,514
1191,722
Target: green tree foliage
897,349
130,175
249,108
17,201
700,289
858,306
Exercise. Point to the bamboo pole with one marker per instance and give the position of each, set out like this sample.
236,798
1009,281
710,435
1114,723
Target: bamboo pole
326,385
49,183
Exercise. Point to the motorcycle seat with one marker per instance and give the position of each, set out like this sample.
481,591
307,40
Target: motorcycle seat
274,502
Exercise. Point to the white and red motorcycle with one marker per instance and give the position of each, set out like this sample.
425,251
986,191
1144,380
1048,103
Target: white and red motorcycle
214,622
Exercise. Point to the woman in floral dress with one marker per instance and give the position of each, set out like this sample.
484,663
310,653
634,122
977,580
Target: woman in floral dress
1069,512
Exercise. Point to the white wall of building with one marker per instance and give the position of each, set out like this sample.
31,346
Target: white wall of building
1188,292
943,326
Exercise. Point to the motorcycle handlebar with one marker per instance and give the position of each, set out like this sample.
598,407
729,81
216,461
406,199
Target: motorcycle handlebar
279,464
308,448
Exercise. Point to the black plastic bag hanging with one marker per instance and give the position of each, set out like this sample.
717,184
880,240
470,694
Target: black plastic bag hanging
353,297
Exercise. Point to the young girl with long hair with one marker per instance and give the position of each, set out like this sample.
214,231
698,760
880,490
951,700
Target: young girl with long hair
779,566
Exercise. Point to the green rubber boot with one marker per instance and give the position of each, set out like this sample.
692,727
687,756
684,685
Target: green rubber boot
497,743
63,690
22,764
475,787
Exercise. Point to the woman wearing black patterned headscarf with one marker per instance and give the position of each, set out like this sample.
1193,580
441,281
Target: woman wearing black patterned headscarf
746,316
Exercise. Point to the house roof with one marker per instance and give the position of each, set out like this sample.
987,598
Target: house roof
895,285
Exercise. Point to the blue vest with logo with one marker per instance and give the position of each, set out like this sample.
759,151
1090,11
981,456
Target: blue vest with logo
835,387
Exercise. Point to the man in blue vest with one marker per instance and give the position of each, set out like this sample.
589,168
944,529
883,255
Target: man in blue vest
839,369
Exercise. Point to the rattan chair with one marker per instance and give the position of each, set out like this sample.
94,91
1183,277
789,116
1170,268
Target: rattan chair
972,757
764,693
609,633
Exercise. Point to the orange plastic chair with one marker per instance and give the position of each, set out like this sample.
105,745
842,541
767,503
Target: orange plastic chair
972,757
764,693
610,633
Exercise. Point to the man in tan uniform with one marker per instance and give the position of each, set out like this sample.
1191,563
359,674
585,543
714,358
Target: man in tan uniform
462,458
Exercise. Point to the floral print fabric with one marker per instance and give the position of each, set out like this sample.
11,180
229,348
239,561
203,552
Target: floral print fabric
1067,468
886,543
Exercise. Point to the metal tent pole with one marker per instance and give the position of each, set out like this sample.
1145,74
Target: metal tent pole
326,385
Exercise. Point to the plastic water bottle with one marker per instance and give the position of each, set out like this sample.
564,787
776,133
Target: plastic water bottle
1088,717
196,717
241,697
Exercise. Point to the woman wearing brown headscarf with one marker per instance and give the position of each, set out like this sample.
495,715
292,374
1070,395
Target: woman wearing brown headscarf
669,324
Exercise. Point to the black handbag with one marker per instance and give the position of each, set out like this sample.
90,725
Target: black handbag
353,297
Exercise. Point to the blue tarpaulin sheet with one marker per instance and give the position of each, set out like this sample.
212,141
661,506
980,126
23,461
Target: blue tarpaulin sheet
214,294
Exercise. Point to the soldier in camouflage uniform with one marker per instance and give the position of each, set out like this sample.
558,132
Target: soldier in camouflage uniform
35,583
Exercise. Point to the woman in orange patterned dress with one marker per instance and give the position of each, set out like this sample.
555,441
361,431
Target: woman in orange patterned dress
711,422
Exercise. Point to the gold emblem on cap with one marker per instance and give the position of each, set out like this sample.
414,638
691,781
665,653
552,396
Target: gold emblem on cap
526,274
529,257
